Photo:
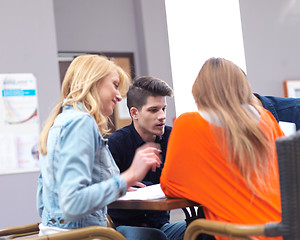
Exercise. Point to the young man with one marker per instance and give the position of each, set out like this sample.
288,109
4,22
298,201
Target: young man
146,101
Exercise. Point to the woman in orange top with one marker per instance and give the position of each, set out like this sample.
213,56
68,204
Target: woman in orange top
224,155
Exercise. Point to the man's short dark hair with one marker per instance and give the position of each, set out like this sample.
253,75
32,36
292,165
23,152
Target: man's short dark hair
143,87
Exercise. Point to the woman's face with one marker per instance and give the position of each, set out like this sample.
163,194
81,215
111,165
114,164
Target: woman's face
108,90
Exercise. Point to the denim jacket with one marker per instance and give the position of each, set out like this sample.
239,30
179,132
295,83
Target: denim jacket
78,176
283,109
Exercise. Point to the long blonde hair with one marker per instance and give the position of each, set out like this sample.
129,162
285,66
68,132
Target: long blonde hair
223,91
79,85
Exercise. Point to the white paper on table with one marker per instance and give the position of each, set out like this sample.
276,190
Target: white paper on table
145,193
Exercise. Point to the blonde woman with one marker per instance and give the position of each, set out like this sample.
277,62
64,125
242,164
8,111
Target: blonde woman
79,177
224,155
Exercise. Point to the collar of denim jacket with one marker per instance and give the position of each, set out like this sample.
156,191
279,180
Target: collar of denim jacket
79,105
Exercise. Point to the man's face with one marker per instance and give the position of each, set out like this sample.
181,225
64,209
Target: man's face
150,120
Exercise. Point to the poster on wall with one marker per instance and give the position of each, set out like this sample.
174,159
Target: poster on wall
19,123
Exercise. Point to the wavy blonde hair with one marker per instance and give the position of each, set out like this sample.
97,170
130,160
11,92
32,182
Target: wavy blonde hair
79,85
222,90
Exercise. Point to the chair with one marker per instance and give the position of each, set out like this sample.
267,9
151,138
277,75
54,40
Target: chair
110,222
288,151
20,231
93,232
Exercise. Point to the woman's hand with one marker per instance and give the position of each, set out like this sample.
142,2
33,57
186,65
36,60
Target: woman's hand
136,186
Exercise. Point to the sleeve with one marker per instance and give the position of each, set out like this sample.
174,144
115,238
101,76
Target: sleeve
40,205
116,152
77,195
283,109
288,109
269,105
176,173
189,165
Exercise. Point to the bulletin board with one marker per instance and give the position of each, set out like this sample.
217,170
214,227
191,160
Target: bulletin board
120,117
19,123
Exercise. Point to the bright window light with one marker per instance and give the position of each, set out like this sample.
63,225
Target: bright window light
198,30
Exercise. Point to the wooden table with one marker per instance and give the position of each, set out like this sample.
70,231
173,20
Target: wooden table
162,204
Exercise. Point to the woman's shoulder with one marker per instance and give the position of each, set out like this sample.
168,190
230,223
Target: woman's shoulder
269,121
267,115
188,116
188,120
73,117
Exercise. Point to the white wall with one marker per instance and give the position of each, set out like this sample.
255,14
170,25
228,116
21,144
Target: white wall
155,51
118,26
271,39
96,25
27,45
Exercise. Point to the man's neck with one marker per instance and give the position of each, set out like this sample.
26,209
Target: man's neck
148,138
145,136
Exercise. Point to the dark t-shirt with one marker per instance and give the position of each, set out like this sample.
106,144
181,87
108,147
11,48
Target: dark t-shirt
123,144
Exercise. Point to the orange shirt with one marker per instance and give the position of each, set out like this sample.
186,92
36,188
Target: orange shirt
196,169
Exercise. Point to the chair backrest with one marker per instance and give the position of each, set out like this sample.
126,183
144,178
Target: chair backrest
86,233
288,151
110,222
19,231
